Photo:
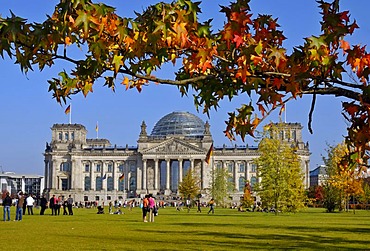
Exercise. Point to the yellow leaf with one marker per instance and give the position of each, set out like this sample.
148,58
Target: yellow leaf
173,58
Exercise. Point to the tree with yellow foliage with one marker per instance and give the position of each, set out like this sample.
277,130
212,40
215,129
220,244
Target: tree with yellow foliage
343,176
281,185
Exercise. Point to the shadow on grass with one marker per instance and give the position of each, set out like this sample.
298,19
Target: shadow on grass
226,241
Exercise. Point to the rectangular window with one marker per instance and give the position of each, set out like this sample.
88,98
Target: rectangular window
230,167
253,168
110,168
87,168
60,136
72,136
133,167
98,168
241,168
65,167
64,184
66,136
219,165
120,168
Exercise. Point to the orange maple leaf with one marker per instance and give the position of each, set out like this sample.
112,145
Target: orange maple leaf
345,46
126,82
238,40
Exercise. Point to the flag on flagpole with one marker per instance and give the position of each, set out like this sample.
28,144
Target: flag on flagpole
282,109
105,176
68,109
209,154
97,129
122,177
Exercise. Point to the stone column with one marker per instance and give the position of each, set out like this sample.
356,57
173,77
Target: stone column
46,170
180,170
203,174
126,171
73,176
144,183
114,176
103,182
235,176
139,180
192,165
168,162
92,176
156,174
128,181
53,173
246,173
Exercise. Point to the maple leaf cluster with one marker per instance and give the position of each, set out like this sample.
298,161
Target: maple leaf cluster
245,57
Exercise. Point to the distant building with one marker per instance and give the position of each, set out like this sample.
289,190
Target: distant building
13,183
94,169
318,176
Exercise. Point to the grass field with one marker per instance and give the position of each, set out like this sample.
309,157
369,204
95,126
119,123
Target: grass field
227,229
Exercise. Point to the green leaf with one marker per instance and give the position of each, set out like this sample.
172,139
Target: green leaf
83,18
259,48
117,62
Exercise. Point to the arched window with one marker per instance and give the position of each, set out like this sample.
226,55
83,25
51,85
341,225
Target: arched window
241,183
110,184
132,184
87,183
65,167
98,184
230,180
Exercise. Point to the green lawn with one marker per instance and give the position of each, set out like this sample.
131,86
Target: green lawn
227,229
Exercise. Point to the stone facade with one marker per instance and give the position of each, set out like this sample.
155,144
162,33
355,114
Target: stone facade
89,169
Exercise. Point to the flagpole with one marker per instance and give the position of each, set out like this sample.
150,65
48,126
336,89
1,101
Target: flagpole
97,129
285,113
70,114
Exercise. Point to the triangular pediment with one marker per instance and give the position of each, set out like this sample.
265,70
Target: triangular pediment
173,146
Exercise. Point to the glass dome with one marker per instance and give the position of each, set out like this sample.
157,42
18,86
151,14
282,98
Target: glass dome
179,123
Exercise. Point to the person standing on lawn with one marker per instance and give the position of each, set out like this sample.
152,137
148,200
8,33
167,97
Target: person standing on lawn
7,203
19,208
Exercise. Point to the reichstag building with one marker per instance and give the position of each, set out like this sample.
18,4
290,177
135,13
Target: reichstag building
95,169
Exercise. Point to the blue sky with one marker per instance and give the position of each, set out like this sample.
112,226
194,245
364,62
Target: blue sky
28,111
